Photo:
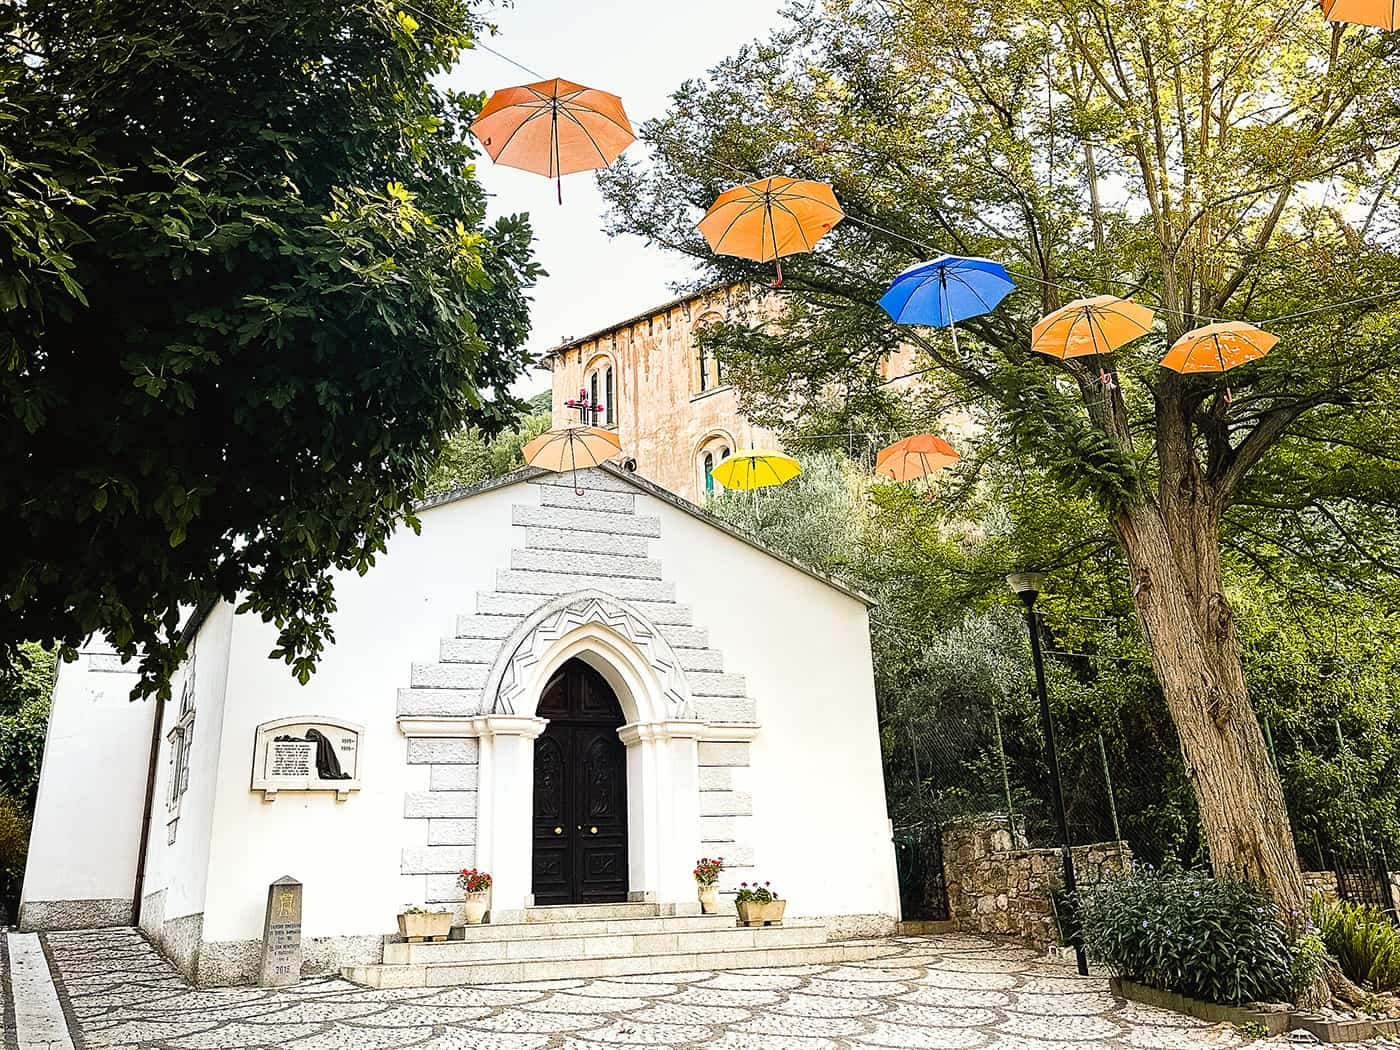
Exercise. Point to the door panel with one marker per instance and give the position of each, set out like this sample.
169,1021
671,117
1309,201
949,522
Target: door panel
580,806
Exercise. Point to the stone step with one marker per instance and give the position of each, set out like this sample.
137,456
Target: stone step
590,946
585,520
441,974
591,912
591,927
587,542
517,605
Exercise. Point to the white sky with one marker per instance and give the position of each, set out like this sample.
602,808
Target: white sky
641,50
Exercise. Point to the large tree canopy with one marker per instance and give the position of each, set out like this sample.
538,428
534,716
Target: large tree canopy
246,292
1233,160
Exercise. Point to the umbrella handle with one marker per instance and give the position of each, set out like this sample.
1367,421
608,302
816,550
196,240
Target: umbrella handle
778,261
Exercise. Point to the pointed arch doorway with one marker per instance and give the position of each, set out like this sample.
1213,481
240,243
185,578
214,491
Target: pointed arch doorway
580,793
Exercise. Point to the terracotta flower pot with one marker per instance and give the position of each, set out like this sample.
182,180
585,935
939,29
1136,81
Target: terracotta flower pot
425,926
474,909
709,899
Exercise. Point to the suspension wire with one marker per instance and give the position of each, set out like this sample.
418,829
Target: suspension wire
1326,307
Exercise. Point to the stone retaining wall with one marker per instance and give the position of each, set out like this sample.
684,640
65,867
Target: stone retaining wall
997,884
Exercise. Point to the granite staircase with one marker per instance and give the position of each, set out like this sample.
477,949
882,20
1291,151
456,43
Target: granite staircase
602,940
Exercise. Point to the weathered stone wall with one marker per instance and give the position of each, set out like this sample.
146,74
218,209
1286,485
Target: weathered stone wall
1323,882
998,885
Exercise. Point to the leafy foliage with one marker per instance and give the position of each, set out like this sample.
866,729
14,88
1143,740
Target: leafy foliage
1230,162
472,456
1364,940
247,290
24,721
14,842
1183,932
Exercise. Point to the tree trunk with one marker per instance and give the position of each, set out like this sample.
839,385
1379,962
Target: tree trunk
1174,560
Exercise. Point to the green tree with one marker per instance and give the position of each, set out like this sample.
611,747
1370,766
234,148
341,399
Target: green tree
247,290
1228,161
472,456
25,687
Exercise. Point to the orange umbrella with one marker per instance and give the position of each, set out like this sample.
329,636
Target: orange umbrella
554,127
1378,13
1218,347
1090,326
915,457
571,447
771,218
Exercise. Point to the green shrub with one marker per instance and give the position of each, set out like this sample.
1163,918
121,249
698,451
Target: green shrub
1363,939
14,840
1187,933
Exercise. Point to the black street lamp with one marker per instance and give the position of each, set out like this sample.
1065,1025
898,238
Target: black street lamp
1027,586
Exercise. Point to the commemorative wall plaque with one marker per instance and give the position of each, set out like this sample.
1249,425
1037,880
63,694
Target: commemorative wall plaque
307,754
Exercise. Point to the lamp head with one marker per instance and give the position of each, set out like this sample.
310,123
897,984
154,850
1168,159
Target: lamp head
1026,585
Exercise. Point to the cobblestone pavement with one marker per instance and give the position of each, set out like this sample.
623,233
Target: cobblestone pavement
935,992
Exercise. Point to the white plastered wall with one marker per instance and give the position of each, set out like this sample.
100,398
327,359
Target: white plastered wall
87,816
347,854
819,827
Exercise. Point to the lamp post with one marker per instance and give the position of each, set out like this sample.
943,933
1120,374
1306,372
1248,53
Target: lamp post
1027,586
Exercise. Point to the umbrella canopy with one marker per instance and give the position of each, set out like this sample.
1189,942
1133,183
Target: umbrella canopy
770,218
1098,325
948,289
756,469
914,457
1218,347
553,127
571,448
1379,13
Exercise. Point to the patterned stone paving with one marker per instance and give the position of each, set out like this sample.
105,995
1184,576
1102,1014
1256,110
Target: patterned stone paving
941,993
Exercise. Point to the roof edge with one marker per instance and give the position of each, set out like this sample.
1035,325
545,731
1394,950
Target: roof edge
669,304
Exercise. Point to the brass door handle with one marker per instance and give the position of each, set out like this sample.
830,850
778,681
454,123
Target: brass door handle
593,831
558,831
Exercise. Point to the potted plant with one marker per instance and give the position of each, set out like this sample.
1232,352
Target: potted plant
706,873
420,924
475,887
759,905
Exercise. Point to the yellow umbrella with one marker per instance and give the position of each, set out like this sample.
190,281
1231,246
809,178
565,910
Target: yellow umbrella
1218,347
569,448
1098,325
756,469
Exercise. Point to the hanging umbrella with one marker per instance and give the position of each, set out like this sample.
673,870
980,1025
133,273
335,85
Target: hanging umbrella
554,128
770,218
1218,347
570,448
1379,13
914,457
945,291
756,469
1098,325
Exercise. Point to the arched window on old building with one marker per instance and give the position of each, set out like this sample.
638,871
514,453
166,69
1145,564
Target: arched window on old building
713,450
706,372
602,390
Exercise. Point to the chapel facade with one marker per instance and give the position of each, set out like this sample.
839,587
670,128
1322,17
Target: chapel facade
578,684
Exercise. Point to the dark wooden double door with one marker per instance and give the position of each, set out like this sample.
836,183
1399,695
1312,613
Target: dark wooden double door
580,809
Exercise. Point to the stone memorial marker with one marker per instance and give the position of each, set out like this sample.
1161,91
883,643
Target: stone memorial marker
281,951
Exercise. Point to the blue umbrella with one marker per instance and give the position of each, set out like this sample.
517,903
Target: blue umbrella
947,290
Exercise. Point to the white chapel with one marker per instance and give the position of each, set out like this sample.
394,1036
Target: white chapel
581,690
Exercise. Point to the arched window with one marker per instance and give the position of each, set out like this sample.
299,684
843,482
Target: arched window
703,360
593,393
709,463
609,415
